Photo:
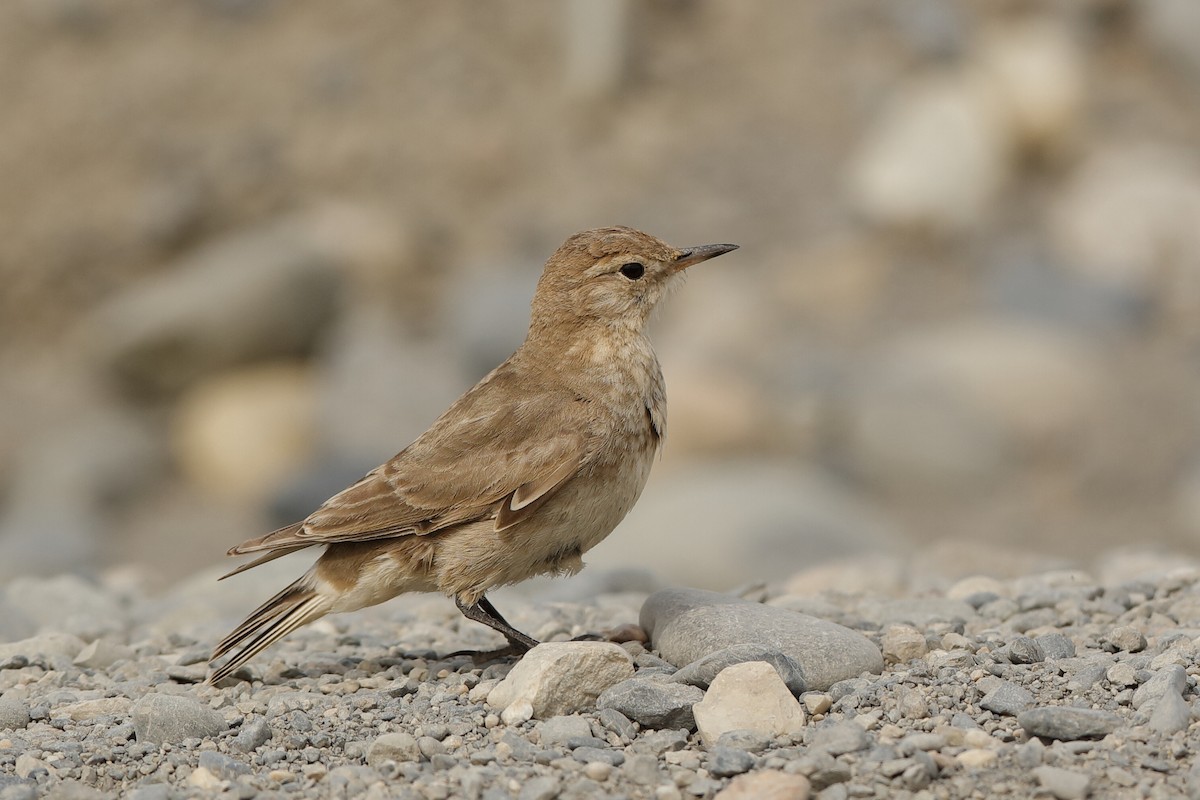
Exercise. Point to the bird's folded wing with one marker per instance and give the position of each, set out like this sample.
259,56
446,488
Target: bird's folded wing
500,464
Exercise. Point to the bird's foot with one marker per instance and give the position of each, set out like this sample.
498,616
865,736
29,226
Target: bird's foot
481,657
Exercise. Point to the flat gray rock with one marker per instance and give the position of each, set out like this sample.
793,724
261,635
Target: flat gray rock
1171,714
685,625
1168,680
839,738
1008,698
1067,723
160,718
557,731
656,704
725,762
701,673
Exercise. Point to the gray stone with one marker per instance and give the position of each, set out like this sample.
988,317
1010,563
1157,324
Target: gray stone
1030,754
1086,676
1007,698
617,722
590,755
253,735
702,672
223,766
1064,784
1171,714
557,731
1023,650
653,703
1173,28
840,737
1067,723
686,625
1126,638
13,715
1171,679
786,515
1055,646
725,762
166,718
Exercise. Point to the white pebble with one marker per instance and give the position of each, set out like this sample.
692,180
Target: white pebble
515,714
598,771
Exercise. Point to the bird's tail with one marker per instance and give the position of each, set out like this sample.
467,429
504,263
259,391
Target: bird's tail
297,605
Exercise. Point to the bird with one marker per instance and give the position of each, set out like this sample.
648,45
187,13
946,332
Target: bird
519,477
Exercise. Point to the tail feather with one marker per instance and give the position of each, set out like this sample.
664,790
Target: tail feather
296,605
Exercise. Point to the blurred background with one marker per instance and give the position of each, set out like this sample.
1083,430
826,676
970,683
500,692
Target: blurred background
251,248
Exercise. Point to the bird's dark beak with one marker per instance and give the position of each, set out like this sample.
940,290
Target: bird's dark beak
694,255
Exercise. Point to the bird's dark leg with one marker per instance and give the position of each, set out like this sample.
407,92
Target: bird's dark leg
483,611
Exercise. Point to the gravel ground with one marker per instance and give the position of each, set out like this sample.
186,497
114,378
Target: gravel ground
1055,684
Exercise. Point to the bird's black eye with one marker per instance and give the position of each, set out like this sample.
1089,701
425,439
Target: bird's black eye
634,271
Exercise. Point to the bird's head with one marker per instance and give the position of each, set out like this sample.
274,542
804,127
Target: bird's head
612,276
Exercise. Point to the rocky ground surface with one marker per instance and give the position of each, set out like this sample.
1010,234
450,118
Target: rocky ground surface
1063,684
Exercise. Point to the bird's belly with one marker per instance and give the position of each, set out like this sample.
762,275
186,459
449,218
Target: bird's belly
476,558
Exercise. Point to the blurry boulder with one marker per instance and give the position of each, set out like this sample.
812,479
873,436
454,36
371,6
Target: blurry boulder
1036,70
724,523
935,29
260,294
1173,28
378,389
240,434
1128,219
936,158
952,408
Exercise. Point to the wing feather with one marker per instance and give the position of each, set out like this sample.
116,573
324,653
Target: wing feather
490,456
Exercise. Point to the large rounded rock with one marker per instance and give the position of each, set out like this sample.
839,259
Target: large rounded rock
686,625
261,294
954,408
783,516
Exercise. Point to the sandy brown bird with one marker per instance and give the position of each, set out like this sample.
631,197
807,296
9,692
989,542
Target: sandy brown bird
521,476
